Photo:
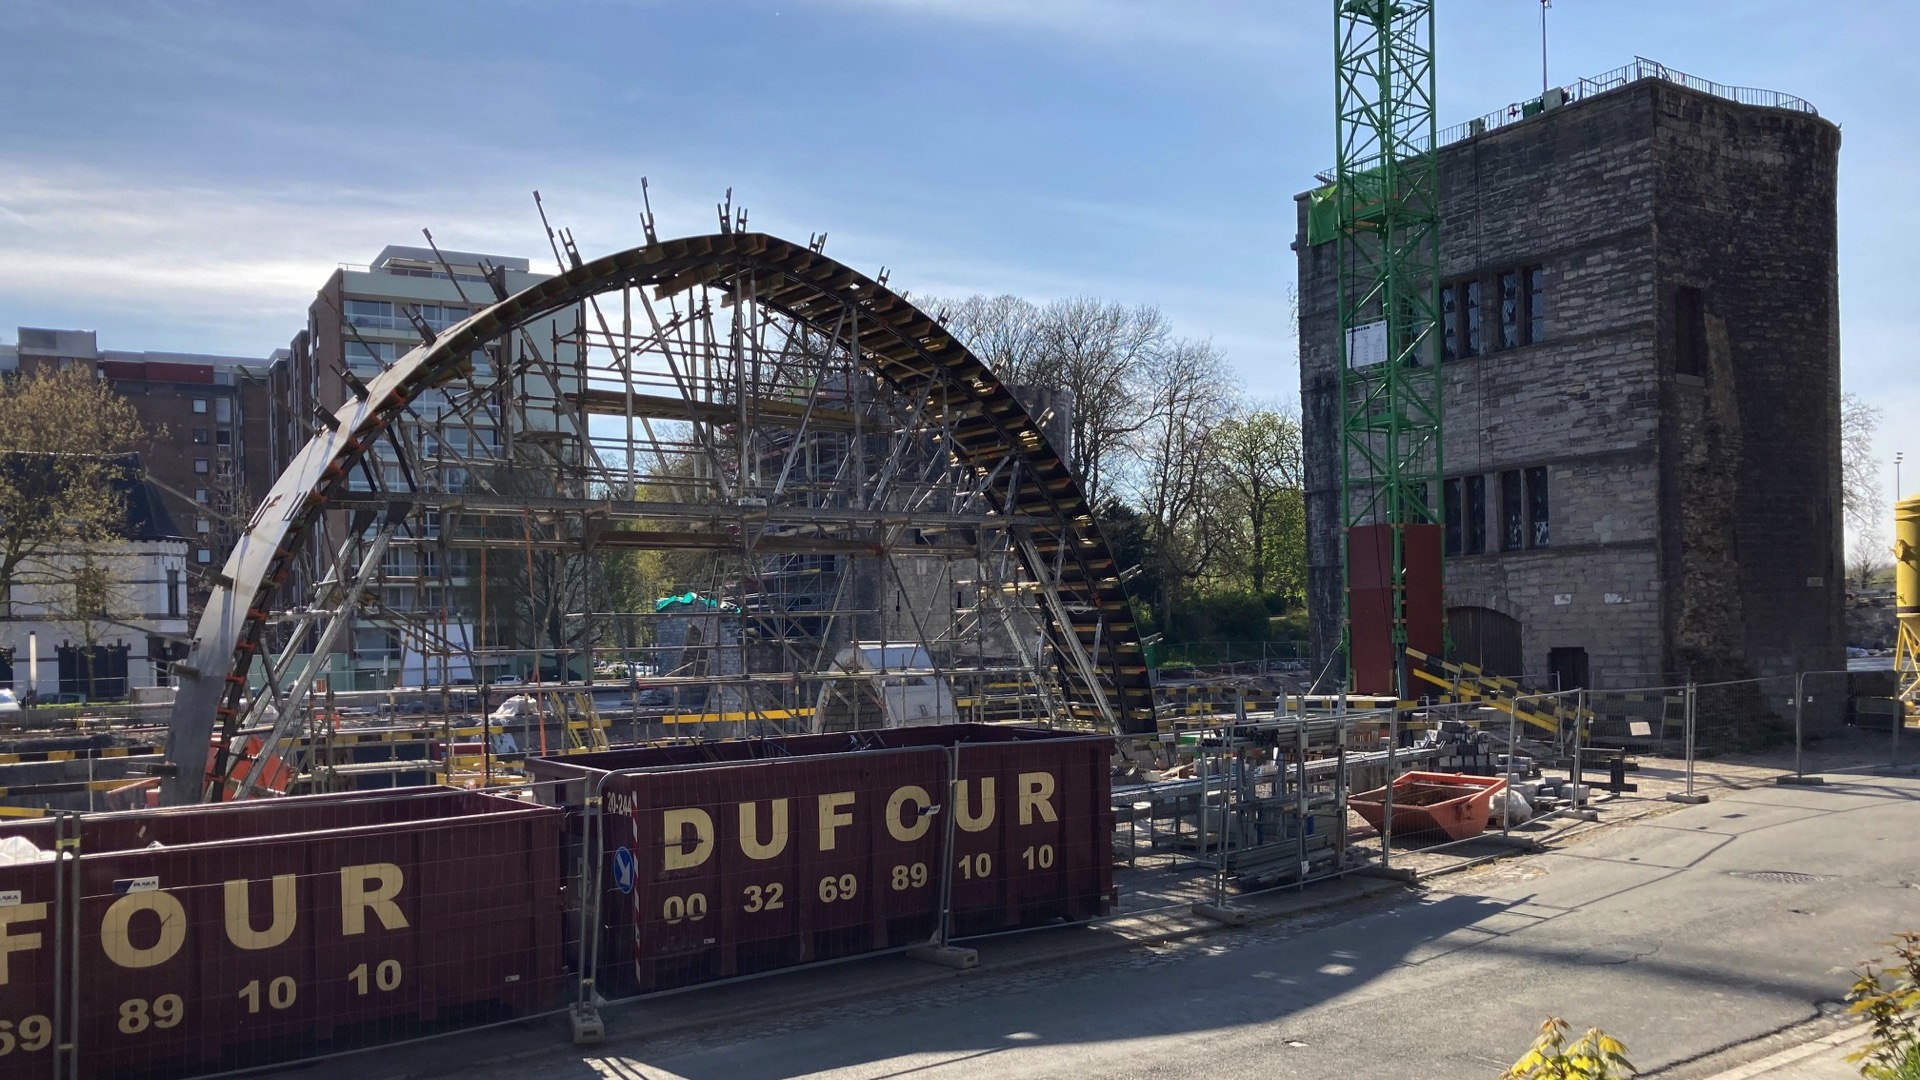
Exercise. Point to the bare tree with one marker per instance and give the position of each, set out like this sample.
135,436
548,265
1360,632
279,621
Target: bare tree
1187,391
1860,495
1870,560
1096,351
1003,331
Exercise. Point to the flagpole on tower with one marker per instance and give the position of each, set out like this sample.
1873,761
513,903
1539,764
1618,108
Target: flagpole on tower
1544,5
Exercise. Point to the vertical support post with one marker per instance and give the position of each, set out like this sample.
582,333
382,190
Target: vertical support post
1300,793
1580,789
944,934
1799,715
1506,813
1799,775
486,735
1688,796
584,1018
1344,733
60,1018
1386,820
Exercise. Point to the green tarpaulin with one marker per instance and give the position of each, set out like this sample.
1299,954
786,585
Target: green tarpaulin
1323,216
1368,192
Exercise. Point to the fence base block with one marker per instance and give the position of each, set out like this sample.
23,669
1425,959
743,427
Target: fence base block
1391,873
1798,780
1225,914
952,956
1683,797
584,1021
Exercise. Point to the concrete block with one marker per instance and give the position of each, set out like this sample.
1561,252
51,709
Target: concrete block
952,956
1225,914
586,1026
1683,797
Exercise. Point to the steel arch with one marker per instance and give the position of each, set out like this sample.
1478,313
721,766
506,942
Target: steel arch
896,340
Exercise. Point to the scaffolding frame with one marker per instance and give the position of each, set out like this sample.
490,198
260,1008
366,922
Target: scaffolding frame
750,419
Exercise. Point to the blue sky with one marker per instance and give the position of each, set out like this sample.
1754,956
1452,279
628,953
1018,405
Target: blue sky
184,175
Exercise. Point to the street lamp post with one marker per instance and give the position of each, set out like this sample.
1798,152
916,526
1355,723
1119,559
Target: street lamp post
1898,456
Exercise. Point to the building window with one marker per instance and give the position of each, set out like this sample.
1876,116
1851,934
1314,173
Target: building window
1537,506
369,357
199,434
1470,309
223,437
173,593
223,411
372,315
1449,325
1510,319
200,405
200,495
1513,535
1689,332
1536,304
204,555
200,466
1451,492
1476,515
441,316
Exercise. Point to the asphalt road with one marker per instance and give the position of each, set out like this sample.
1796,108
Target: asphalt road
1708,927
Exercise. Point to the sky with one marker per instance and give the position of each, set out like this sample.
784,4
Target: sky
183,176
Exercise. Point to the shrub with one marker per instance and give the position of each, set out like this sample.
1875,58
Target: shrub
1596,1056
1890,1000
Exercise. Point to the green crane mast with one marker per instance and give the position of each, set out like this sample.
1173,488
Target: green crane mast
1385,189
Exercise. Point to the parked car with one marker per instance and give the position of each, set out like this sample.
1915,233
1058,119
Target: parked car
507,680
8,703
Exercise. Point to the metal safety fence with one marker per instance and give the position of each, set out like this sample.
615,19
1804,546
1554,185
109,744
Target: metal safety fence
204,940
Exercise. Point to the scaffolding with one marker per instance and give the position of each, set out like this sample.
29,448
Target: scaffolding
708,482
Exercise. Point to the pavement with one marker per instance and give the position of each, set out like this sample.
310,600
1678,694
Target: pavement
1717,941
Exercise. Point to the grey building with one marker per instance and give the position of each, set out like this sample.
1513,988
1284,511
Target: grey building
361,321
1640,343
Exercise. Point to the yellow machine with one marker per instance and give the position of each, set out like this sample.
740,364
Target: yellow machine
1906,591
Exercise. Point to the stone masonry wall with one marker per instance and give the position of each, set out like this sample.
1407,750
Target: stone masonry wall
1746,215
1694,519
1569,191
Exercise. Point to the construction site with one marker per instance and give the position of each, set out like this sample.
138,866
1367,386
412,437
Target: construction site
589,616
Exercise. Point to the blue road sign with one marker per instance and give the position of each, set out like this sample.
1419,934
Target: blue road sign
623,870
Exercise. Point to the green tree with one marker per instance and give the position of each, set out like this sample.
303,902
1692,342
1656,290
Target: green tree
1261,476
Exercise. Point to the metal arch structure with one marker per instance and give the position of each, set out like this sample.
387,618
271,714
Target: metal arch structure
1099,676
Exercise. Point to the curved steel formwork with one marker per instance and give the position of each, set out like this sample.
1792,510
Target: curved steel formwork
951,413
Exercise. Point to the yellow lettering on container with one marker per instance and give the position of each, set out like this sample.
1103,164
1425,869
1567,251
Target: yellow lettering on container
286,915
831,818
750,843
119,946
963,811
11,942
370,887
916,797
673,833
1036,793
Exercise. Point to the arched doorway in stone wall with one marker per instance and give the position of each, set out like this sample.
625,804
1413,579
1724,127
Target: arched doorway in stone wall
1487,638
